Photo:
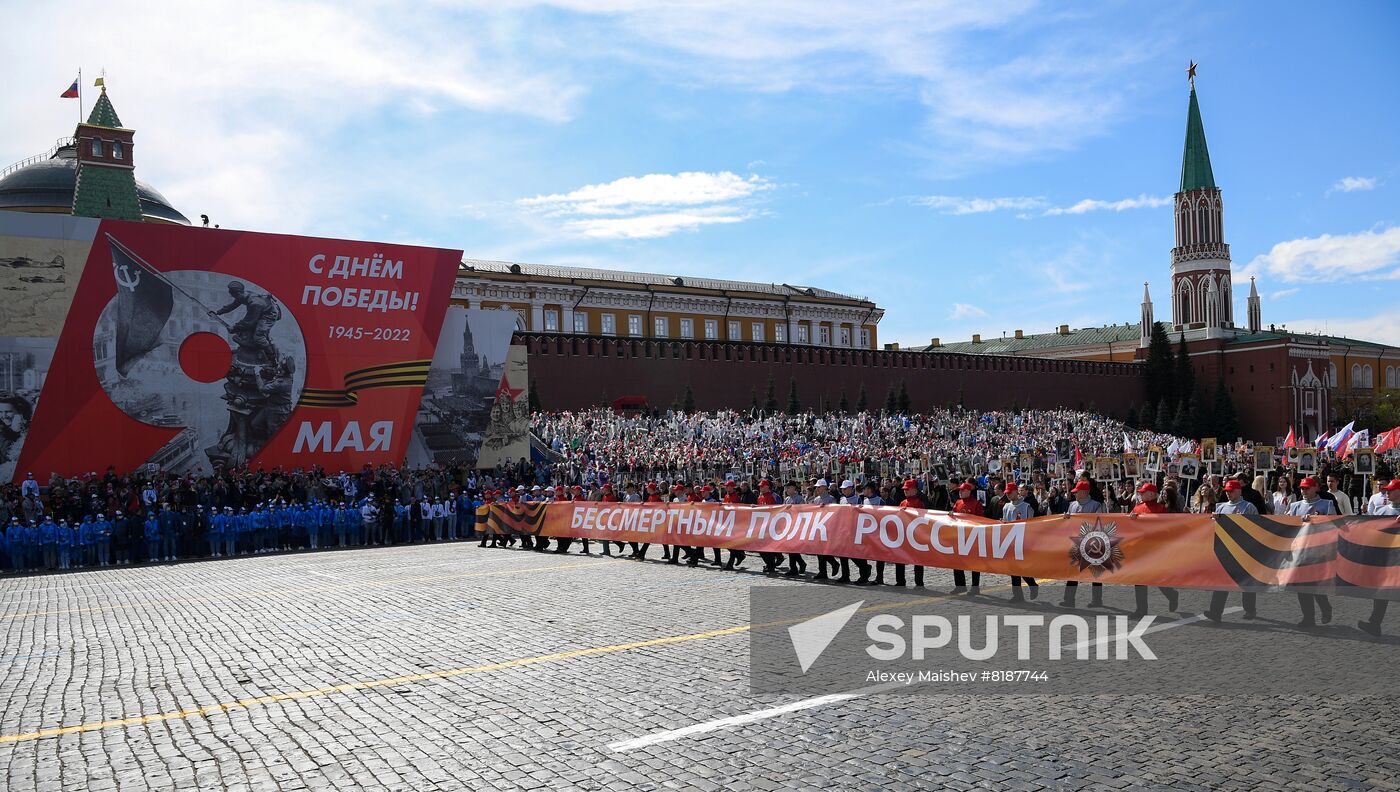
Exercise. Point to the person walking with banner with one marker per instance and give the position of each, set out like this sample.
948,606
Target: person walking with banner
766,497
849,498
1017,510
966,503
1391,508
1234,503
913,499
1147,503
1083,503
1310,505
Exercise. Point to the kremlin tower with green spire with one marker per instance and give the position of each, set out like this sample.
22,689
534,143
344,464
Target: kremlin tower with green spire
106,178
1201,296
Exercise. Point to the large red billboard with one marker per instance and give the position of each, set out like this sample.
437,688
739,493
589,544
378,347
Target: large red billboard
191,349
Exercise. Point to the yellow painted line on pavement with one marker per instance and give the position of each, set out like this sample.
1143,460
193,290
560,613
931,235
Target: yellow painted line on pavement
305,590
351,687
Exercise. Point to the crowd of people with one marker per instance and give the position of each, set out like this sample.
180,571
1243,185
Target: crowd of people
109,519
1008,465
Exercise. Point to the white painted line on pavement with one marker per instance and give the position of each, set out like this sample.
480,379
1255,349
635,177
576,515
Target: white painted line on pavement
624,746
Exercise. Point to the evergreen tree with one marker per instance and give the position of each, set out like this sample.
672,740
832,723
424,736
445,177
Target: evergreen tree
770,403
1131,419
1163,422
1227,425
902,401
1197,416
688,400
793,406
1157,370
534,398
1181,424
862,402
753,398
1147,417
891,403
845,404
1185,378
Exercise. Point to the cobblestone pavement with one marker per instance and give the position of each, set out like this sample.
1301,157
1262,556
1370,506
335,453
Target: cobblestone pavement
457,667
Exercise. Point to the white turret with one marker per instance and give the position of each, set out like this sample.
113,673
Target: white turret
1256,314
1146,316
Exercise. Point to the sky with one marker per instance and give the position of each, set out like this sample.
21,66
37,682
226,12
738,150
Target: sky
971,167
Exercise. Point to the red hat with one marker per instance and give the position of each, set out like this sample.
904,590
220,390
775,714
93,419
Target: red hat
1393,484
731,483
707,488
1082,486
911,484
1308,481
1233,485
651,485
1011,488
576,488
766,483
678,488
607,486
965,486
1148,486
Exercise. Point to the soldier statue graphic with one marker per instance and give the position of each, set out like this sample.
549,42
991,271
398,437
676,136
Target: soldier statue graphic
259,382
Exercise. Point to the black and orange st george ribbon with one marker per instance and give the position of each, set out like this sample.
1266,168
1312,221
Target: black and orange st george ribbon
405,374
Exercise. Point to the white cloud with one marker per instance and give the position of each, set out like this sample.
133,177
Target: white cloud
1353,184
965,311
649,226
956,205
240,108
1367,255
1281,293
633,193
959,205
1092,205
651,206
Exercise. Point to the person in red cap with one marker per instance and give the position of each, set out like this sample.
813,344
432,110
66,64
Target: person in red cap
1391,508
967,503
653,495
1309,506
913,499
1083,503
1234,503
1147,503
1017,510
766,497
608,496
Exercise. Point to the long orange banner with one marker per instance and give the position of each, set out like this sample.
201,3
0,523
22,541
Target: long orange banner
1226,552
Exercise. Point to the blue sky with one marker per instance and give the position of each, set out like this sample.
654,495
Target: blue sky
973,168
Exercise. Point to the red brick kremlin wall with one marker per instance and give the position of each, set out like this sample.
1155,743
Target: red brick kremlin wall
572,372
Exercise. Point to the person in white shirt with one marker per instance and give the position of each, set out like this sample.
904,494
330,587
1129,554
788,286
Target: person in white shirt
1378,499
1309,506
1334,486
1391,508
